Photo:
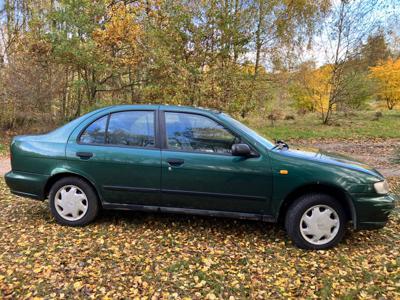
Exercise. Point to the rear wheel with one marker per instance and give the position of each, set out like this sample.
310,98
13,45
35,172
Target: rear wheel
73,202
316,221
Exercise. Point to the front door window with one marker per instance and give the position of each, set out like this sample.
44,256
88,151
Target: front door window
196,133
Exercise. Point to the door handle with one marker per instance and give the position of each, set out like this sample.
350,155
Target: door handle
175,162
84,155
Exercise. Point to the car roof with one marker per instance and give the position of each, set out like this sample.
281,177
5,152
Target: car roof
161,107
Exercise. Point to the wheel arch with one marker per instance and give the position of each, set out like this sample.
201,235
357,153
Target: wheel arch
338,193
62,174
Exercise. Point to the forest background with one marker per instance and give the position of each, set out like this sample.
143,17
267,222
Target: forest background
289,68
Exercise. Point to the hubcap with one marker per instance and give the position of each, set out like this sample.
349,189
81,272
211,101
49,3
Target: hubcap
319,224
71,203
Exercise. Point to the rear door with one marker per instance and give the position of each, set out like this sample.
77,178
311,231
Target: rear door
120,154
199,172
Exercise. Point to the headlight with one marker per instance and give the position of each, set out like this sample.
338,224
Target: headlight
381,187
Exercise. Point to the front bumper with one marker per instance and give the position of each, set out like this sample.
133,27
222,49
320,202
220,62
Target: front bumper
373,211
28,185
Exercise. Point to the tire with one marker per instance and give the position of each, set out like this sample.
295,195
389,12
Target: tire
73,202
316,221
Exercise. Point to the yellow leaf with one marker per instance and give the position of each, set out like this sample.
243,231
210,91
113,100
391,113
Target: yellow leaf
78,285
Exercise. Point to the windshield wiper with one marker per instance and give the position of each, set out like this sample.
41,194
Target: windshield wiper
280,145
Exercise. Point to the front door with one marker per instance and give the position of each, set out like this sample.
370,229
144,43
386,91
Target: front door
199,172
119,153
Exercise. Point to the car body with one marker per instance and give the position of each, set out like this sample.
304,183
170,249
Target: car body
196,161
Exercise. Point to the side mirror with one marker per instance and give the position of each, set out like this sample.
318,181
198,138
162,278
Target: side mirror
241,150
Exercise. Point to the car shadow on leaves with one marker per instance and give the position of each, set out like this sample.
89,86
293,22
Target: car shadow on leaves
155,221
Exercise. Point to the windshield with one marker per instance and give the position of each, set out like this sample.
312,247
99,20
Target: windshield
263,141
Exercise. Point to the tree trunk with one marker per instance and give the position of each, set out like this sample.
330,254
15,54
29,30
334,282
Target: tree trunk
390,104
79,96
258,37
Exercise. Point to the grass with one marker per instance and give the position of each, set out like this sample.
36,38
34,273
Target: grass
132,255
353,126
2,149
4,142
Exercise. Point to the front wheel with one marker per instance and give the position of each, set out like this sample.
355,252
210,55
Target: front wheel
316,221
73,202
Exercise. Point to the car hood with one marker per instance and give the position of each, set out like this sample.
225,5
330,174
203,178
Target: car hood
332,158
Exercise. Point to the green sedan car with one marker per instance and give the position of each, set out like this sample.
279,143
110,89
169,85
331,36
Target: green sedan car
195,161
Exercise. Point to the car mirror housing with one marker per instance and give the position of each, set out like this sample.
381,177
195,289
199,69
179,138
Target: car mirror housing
241,150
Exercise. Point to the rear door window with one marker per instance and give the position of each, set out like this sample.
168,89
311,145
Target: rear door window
132,128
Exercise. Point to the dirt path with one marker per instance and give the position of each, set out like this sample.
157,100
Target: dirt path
380,154
4,165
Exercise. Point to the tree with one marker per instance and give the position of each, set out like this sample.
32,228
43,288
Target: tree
387,76
374,50
350,24
279,28
74,48
234,55
311,88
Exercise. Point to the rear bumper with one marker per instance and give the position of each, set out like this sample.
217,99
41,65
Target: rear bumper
26,184
373,212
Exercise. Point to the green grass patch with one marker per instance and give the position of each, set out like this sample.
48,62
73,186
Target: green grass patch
2,149
350,126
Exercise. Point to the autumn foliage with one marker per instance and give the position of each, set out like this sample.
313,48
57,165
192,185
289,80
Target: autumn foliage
59,59
387,77
311,89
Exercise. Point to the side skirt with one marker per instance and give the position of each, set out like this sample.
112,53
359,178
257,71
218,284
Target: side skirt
191,211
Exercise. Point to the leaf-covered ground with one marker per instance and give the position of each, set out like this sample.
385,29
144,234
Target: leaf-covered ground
124,255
